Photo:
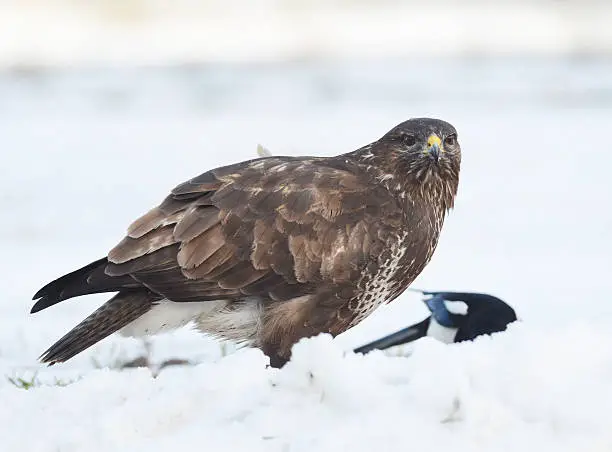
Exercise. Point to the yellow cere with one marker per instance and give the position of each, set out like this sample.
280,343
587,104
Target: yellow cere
434,139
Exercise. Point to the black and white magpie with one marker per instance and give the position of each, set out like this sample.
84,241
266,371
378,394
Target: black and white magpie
481,314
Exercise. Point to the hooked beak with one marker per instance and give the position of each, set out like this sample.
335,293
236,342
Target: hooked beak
434,147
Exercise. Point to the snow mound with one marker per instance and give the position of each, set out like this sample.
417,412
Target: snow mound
538,390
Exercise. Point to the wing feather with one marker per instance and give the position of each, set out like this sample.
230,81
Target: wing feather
215,261
275,227
151,261
195,221
196,251
241,275
131,248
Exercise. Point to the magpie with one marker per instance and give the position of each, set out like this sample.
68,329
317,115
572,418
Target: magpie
485,314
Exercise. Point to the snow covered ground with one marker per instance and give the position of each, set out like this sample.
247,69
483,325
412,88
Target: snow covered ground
82,153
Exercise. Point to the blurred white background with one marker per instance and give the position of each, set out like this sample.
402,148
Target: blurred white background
106,105
73,32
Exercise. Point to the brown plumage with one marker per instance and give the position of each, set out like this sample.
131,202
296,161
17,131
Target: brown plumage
274,249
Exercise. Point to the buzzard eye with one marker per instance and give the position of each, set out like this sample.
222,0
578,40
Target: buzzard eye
451,140
409,140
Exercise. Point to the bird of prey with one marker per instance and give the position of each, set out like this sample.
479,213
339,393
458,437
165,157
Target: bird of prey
267,251
485,314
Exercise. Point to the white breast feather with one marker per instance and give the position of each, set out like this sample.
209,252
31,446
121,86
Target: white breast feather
166,316
379,288
441,333
238,321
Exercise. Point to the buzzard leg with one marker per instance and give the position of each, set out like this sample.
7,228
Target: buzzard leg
276,360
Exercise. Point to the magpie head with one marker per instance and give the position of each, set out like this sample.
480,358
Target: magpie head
447,313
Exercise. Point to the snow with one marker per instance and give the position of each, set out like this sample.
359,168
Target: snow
524,389
85,152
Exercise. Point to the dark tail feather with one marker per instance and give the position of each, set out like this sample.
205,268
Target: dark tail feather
412,333
87,280
116,313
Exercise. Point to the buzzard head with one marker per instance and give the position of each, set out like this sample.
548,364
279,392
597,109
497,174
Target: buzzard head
419,157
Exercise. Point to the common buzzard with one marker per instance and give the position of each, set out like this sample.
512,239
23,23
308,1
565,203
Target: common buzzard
274,249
